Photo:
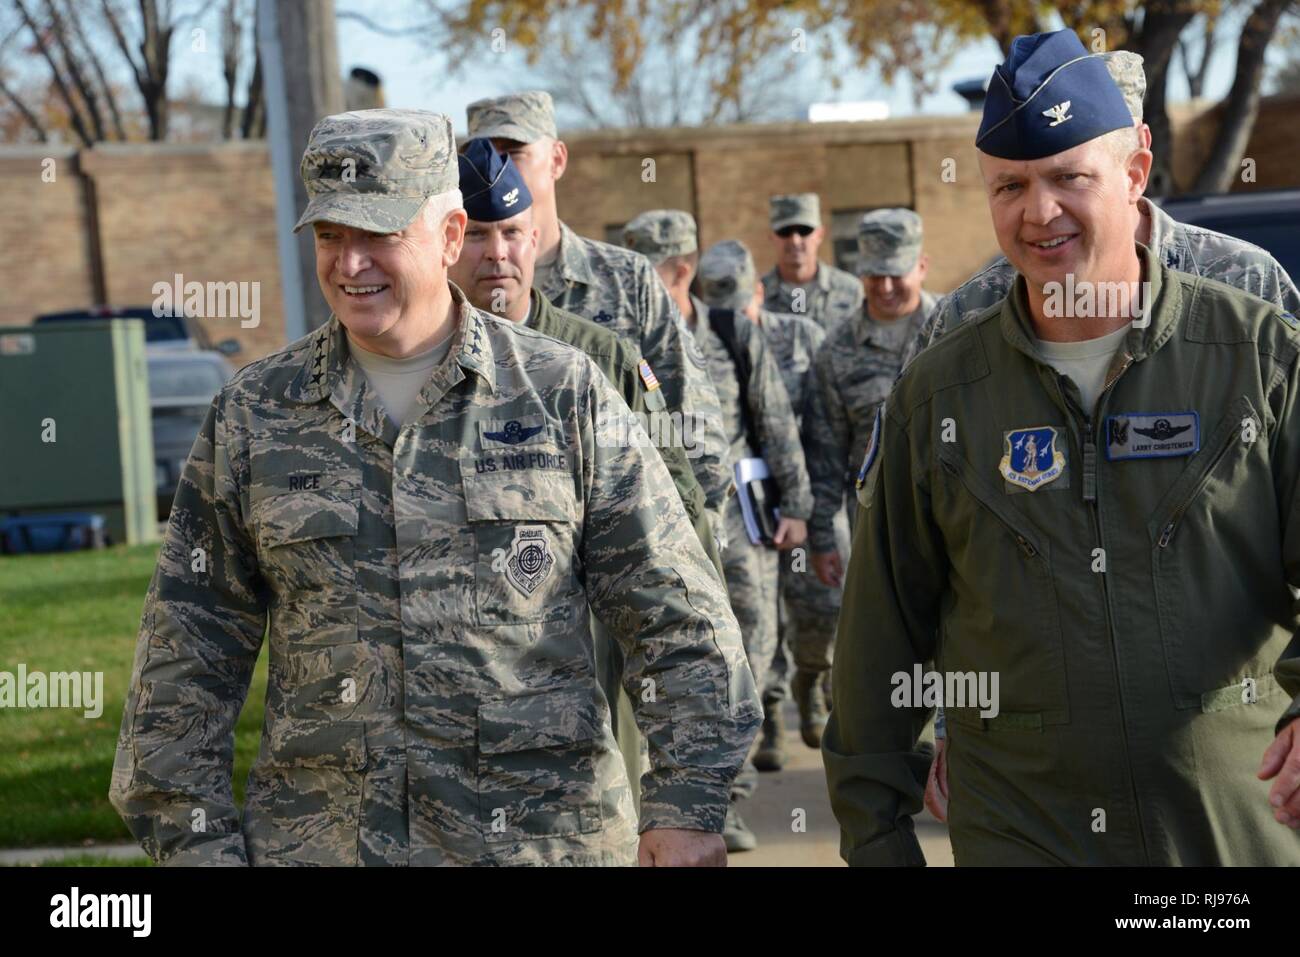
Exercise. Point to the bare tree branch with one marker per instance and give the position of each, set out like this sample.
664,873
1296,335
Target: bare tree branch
74,114
73,68
420,29
88,52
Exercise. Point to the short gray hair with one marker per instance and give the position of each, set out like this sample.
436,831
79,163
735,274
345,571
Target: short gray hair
438,206
1123,142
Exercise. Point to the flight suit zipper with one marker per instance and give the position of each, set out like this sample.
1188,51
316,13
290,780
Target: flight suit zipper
1088,442
1167,532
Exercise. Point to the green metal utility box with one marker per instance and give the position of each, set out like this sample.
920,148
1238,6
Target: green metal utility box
75,426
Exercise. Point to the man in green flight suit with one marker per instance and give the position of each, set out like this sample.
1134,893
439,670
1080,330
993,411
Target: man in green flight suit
1084,511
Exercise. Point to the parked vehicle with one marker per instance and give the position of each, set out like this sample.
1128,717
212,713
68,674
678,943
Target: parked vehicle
162,332
1268,218
181,387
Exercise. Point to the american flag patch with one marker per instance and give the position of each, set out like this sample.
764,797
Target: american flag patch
648,376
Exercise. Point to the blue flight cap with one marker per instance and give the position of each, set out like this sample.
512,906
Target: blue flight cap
1050,96
490,184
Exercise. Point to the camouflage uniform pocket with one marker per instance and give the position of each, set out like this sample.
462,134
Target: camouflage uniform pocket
537,766
524,531
306,544
304,793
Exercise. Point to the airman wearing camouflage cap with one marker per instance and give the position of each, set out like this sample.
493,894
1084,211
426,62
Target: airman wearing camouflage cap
761,422
607,284
727,276
374,169
661,233
889,242
393,560
853,373
799,283
522,117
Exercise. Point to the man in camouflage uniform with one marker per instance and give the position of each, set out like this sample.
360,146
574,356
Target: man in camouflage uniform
807,608
727,281
495,271
853,372
800,283
424,576
607,284
1180,246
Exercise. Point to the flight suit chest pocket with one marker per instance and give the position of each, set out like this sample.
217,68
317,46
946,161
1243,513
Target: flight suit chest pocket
1216,617
306,529
523,529
1004,617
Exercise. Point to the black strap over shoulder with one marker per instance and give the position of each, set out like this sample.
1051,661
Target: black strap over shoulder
723,323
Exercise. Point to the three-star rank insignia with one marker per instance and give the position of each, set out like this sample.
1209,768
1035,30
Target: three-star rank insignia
1030,457
529,561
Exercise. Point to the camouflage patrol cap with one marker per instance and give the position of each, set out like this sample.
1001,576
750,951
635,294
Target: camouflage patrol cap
373,169
525,117
660,233
726,275
1126,70
889,242
795,209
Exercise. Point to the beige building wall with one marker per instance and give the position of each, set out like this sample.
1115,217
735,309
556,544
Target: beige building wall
208,212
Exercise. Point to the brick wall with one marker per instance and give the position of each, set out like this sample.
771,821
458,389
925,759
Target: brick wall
208,212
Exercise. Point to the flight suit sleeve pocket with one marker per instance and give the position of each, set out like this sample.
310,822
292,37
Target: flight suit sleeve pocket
537,766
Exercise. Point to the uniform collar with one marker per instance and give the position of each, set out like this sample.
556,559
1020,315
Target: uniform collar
571,260
1165,308
327,373
821,279
869,333
1166,242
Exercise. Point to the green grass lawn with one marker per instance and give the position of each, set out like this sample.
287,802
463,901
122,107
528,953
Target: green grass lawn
78,611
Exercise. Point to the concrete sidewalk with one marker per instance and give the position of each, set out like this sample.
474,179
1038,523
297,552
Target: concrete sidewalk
801,786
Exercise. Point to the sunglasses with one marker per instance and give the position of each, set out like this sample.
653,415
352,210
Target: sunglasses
785,232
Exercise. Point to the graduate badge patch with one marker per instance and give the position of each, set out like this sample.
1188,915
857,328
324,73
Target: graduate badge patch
1030,458
529,560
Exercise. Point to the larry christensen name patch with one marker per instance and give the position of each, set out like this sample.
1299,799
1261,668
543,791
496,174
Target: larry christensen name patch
1152,435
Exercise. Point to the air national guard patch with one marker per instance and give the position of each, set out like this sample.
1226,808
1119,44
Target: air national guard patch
529,560
648,376
1031,458
1152,435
